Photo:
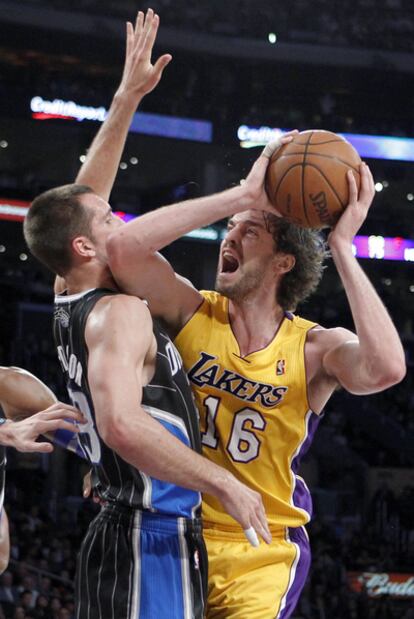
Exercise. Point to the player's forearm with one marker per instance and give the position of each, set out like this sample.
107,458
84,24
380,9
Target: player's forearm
102,161
159,228
381,352
148,446
4,542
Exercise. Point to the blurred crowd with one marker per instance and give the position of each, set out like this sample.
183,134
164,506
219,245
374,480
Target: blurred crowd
250,90
336,551
39,581
253,93
383,24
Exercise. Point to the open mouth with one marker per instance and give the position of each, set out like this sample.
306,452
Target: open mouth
230,264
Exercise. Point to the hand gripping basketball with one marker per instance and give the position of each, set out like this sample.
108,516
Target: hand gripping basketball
271,147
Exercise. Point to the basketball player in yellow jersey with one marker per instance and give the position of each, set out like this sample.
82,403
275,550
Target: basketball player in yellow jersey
260,374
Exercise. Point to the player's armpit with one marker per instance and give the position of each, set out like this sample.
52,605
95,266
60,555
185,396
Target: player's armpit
151,277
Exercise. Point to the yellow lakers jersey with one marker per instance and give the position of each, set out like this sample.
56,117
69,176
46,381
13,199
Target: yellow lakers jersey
254,411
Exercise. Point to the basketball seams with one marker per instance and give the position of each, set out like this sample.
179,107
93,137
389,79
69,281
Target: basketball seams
282,178
311,154
317,143
328,142
309,178
303,178
328,182
315,167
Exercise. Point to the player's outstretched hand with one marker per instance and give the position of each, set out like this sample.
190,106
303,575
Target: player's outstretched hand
140,76
22,435
246,506
254,191
355,213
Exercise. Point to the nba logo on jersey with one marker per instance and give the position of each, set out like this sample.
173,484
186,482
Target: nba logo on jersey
280,367
62,316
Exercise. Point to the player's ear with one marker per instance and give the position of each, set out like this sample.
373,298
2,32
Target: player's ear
82,246
284,262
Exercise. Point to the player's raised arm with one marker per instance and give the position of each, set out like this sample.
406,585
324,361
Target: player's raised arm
117,373
139,78
375,359
132,249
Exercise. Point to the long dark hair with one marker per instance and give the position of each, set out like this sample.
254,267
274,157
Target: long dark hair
309,249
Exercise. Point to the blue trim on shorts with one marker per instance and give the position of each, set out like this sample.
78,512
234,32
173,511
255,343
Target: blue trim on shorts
161,569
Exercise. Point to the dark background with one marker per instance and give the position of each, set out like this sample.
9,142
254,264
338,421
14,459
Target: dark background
344,67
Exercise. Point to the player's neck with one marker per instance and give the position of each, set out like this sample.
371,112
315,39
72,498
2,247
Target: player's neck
254,324
79,280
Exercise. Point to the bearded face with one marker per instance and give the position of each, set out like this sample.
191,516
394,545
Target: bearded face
246,256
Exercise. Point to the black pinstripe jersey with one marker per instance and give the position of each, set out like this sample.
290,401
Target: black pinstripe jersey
167,398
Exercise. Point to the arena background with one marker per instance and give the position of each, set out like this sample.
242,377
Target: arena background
342,66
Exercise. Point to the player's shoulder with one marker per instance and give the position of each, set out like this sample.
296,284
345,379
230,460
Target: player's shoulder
113,303
213,299
299,322
211,295
118,310
330,338
211,303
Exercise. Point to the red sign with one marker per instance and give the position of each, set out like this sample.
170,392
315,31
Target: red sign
13,210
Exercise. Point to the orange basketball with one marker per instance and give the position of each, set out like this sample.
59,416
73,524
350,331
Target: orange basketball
306,179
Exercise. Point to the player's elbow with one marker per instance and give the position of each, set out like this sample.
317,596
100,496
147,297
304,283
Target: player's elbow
394,373
111,432
387,375
115,433
123,249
